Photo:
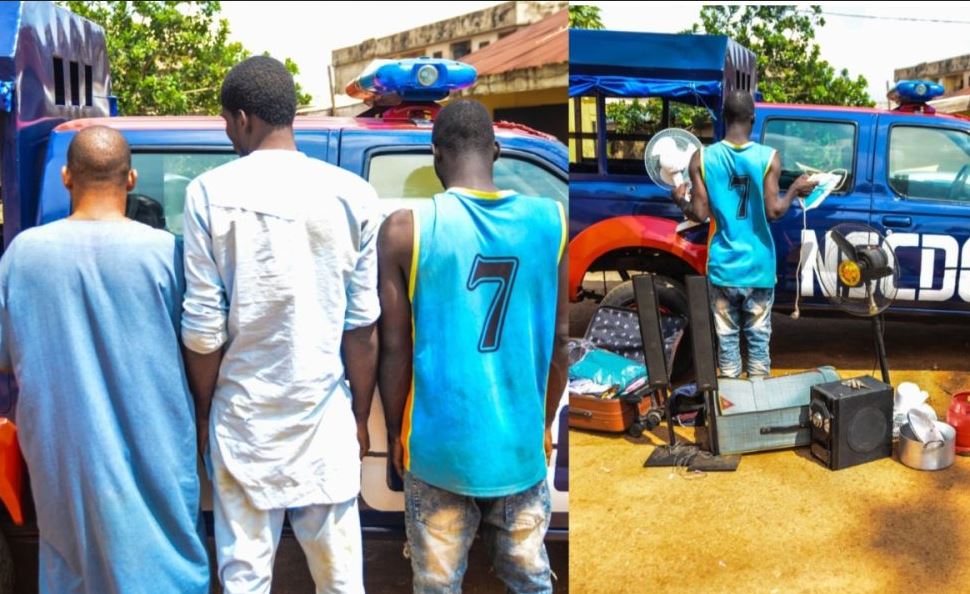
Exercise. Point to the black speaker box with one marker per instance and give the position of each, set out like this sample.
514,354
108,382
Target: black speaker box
851,422
648,311
702,333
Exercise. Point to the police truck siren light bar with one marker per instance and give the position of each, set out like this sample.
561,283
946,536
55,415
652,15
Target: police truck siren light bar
390,82
915,91
913,95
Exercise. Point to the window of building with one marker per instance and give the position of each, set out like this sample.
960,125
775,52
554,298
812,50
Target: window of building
461,49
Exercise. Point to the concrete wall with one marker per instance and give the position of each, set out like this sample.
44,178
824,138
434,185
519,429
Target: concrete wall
522,80
952,73
484,26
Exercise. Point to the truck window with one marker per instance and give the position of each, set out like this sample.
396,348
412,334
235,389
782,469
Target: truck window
399,176
582,135
163,177
929,163
806,146
630,124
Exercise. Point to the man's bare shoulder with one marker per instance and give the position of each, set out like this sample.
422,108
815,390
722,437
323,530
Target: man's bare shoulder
397,235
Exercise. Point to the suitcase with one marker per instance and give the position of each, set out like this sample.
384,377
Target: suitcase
617,329
613,415
755,415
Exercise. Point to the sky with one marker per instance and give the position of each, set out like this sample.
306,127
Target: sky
307,32
872,47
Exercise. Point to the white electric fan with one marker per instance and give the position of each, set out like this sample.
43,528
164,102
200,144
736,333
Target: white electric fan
666,158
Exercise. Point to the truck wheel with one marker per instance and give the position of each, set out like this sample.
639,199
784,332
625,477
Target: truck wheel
672,298
6,567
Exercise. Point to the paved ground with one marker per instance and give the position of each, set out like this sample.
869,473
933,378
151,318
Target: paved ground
782,523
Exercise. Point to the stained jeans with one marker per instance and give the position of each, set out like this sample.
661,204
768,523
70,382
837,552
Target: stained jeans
442,525
736,309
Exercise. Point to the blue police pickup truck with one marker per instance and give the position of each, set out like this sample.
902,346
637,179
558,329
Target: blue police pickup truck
54,81
908,174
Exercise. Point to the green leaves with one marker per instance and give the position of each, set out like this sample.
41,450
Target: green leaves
790,69
168,57
584,17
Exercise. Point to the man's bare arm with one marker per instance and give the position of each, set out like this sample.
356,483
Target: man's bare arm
395,244
359,350
698,208
776,207
203,372
559,367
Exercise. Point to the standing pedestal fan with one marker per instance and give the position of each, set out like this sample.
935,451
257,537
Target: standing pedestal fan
858,272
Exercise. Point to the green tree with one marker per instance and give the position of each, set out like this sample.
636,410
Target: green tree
790,69
167,57
582,16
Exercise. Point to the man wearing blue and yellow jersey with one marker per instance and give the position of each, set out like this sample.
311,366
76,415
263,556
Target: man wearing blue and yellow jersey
473,361
735,183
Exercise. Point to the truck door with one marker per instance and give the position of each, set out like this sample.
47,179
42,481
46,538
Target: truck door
922,202
815,140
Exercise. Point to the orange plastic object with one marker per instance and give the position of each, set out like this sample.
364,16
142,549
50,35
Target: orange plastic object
629,232
11,470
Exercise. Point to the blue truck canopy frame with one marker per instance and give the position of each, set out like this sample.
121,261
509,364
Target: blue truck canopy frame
693,69
53,68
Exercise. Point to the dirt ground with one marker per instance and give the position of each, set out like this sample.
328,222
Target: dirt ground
781,523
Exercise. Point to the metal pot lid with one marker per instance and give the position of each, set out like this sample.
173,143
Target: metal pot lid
925,429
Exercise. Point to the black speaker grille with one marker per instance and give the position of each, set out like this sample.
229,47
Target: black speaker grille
867,430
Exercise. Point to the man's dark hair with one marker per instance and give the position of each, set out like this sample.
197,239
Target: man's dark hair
261,87
738,108
464,126
99,154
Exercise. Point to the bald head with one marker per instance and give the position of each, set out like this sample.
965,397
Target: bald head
99,155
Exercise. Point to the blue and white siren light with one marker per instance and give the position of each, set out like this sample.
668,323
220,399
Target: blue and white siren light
411,80
915,91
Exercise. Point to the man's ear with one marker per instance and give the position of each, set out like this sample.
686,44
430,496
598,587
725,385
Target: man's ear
132,180
66,178
498,151
245,122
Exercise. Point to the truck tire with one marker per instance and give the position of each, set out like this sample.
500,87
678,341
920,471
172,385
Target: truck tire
6,567
672,298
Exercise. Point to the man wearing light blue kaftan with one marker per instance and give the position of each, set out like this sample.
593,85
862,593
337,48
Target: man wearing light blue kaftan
89,321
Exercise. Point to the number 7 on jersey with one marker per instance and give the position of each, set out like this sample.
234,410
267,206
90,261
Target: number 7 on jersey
501,272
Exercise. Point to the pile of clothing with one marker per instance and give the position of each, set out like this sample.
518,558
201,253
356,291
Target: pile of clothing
600,373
